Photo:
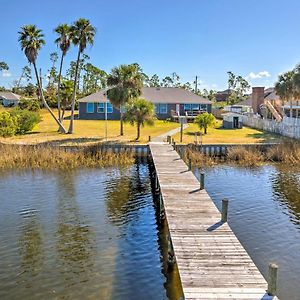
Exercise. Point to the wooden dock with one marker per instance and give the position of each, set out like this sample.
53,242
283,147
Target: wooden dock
211,261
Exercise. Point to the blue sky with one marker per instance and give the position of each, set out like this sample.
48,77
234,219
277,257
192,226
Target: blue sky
205,37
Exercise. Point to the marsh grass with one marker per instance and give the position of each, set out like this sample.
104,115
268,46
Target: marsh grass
58,158
246,156
287,152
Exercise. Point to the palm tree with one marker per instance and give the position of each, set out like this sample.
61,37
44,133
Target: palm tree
205,120
31,40
3,66
284,88
140,112
82,33
64,42
126,83
296,80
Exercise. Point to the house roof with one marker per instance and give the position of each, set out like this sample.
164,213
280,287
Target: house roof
9,96
232,114
156,95
225,92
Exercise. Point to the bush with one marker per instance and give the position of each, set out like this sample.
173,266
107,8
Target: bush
25,120
29,104
8,125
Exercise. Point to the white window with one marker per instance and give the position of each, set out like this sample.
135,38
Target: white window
157,108
187,107
195,106
101,107
90,107
163,108
203,107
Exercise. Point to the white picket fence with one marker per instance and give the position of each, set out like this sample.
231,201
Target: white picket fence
289,127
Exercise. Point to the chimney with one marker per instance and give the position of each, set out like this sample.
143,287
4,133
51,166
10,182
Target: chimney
258,98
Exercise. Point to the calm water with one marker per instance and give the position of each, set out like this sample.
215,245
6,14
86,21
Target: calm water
93,234
90,234
264,212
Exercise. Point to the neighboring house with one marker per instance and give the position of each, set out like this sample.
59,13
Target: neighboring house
9,99
240,109
261,101
222,96
167,100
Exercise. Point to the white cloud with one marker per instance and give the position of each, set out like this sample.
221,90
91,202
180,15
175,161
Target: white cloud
6,73
259,75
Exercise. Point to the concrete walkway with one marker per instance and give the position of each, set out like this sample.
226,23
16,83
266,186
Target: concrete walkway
163,137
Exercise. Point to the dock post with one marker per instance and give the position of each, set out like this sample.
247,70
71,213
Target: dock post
224,210
190,164
202,181
272,281
149,139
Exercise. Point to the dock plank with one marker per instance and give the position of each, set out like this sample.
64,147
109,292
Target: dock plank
211,261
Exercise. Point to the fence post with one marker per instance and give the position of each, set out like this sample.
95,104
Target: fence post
202,181
272,282
224,210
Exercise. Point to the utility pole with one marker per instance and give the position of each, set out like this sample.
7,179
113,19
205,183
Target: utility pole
196,85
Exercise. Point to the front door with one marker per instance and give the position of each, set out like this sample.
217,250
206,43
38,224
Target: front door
235,122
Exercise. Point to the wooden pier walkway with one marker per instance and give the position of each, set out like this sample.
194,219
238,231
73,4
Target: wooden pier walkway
211,261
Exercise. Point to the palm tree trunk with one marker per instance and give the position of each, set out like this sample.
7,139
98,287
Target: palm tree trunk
121,122
19,81
138,131
205,130
58,87
71,127
61,127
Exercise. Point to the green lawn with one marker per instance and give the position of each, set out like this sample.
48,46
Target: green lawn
93,131
219,135
88,131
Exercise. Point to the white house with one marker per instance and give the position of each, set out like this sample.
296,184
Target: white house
9,99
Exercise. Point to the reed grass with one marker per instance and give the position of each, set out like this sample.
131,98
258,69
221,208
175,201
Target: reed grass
287,152
243,155
200,159
56,158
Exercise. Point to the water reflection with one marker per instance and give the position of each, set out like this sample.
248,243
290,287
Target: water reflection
74,238
31,247
286,186
124,192
85,234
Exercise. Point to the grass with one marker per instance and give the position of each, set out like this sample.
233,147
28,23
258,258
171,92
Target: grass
88,132
287,152
219,135
57,158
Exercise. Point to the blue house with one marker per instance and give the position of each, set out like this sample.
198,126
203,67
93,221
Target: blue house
9,99
170,102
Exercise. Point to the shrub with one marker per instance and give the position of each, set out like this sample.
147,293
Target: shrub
25,120
8,125
29,104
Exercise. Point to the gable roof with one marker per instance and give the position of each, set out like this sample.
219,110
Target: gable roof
9,96
156,95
